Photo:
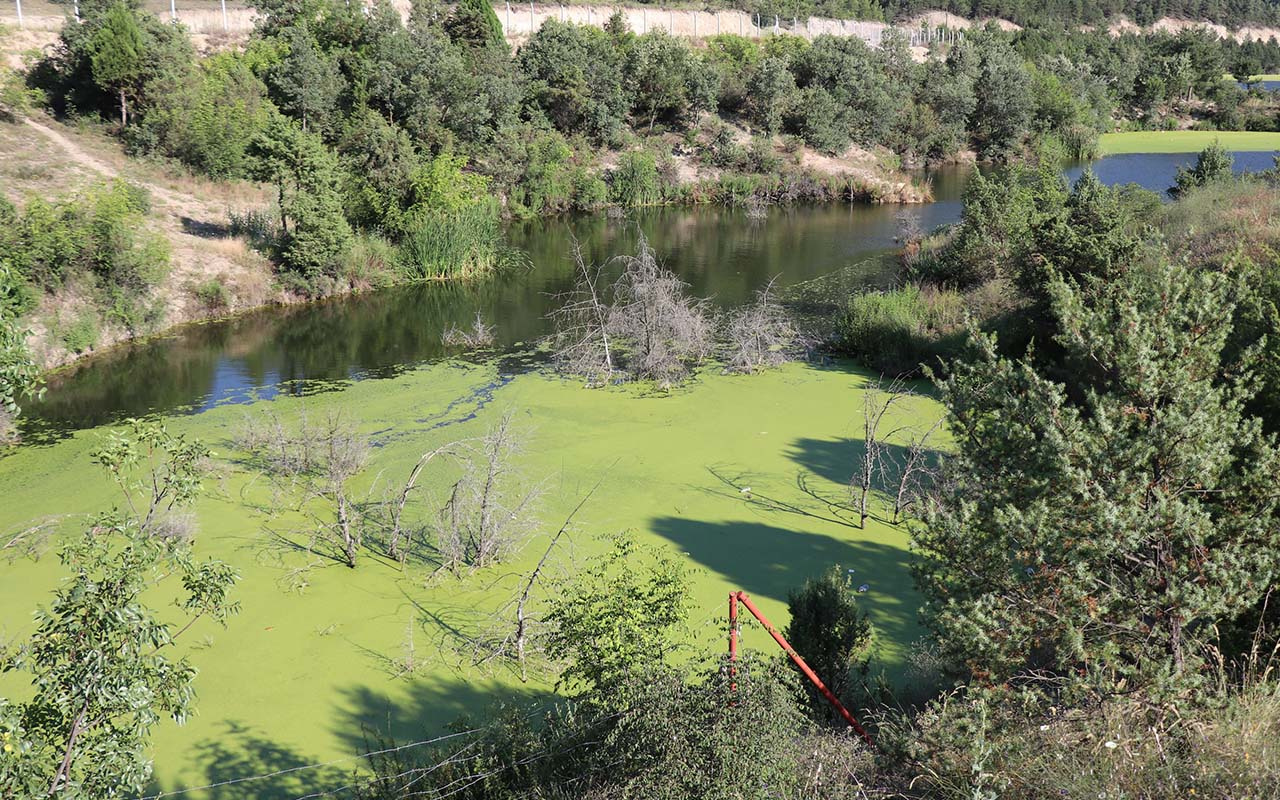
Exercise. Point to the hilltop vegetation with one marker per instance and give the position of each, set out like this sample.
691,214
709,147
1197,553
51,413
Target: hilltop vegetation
394,149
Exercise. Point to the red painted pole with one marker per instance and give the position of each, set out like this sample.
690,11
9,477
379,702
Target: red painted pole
733,641
795,658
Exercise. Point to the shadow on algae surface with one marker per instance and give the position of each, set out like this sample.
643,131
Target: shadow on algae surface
243,762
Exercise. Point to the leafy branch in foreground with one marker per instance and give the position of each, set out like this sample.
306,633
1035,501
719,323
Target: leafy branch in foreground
99,659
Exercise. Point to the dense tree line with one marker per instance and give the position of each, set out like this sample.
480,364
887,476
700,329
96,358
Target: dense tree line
414,138
1233,13
409,140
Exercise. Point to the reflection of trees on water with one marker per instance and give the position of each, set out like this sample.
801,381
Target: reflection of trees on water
717,250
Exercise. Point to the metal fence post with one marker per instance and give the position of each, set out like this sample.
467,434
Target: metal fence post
173,10
20,24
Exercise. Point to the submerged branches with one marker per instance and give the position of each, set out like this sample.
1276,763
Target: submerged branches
514,629
641,326
478,337
489,511
315,464
760,335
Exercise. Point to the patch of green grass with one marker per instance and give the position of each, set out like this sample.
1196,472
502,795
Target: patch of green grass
81,334
1266,76
1185,141
292,679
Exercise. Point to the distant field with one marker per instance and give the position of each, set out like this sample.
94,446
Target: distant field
1186,141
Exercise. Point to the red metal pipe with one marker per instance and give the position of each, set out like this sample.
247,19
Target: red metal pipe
733,640
808,672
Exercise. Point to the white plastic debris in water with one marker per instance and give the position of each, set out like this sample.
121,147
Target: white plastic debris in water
745,490
864,587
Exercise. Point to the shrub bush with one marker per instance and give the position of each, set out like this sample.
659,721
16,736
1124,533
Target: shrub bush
97,237
82,334
897,331
634,182
213,295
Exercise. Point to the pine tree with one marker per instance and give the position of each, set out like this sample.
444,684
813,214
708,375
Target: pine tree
118,55
474,23
1096,545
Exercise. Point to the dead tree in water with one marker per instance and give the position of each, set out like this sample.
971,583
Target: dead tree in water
643,325
667,332
582,343
511,642
915,471
871,464
488,512
759,335
399,540
317,462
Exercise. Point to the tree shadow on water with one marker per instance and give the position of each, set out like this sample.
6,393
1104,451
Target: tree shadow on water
242,763
832,459
770,561
430,706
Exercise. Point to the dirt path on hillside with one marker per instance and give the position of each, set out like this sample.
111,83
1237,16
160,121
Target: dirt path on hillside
195,228
79,156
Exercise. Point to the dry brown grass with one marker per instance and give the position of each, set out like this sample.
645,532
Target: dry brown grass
1214,223
44,158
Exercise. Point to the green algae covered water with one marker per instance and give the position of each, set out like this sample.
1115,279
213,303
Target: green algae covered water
314,657
314,660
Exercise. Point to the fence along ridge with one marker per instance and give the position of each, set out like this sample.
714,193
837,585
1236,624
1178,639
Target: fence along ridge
520,20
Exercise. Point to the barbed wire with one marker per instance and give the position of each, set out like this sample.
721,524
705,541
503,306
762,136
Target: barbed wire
318,765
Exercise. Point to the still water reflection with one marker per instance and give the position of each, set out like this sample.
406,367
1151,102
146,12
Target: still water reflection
720,252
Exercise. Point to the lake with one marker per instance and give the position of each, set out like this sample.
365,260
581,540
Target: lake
313,347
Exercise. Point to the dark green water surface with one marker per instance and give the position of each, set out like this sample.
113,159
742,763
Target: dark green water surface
720,252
